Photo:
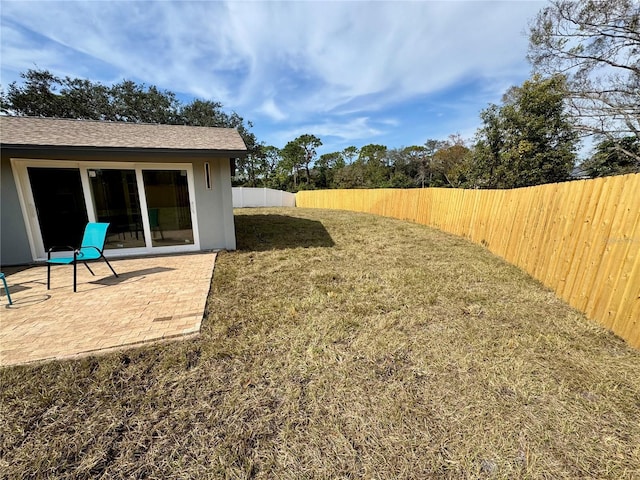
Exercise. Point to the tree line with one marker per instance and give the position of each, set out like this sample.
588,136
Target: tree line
585,83
529,139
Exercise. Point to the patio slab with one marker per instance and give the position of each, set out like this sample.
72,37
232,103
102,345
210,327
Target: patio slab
154,298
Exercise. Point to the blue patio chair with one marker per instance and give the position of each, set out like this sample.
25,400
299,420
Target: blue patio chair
91,248
6,289
154,221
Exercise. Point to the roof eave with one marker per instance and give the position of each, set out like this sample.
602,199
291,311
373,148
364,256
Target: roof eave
192,152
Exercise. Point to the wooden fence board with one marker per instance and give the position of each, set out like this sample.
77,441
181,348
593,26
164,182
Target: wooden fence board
625,243
526,215
629,325
572,236
617,250
602,248
584,233
591,251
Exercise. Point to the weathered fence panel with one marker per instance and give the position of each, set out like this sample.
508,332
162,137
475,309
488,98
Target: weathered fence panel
582,238
262,197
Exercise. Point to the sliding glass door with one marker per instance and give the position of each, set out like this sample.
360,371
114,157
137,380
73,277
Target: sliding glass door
150,207
59,205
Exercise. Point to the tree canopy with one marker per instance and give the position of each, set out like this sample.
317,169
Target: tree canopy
528,140
609,157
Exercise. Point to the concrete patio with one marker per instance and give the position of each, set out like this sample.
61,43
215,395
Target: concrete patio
154,298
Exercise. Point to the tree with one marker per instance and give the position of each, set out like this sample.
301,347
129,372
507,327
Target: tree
426,166
82,99
451,161
36,97
271,156
596,44
291,158
485,168
610,158
207,113
349,154
345,174
202,113
351,176
529,140
251,168
308,143
298,153
326,167
374,159
405,163
140,104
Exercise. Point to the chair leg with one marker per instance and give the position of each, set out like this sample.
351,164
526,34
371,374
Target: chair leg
114,272
48,276
6,290
74,275
86,265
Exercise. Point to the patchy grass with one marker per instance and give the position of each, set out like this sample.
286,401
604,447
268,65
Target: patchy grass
341,345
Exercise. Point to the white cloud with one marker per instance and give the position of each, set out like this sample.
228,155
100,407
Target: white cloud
346,131
239,49
326,65
270,109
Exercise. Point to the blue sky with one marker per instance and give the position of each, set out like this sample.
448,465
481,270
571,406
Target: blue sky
352,73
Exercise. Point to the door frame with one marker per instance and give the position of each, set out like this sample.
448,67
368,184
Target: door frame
30,215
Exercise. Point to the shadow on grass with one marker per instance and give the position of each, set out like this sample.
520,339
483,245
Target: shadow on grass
277,232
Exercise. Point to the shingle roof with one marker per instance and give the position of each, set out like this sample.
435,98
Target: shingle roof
55,132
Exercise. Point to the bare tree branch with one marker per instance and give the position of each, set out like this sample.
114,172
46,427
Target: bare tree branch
596,45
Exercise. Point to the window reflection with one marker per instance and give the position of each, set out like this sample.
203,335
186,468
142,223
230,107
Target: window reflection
169,210
116,199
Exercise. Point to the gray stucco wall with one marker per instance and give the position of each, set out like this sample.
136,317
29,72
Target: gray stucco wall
214,207
14,242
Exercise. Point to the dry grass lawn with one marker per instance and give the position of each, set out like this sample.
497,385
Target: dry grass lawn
340,345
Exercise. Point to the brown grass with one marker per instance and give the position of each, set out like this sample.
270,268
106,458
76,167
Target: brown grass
343,345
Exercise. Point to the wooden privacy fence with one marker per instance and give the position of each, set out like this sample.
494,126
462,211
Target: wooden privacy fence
582,238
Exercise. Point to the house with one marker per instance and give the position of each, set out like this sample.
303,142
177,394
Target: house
162,188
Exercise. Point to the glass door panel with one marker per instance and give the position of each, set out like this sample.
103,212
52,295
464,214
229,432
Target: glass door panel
59,202
116,201
168,207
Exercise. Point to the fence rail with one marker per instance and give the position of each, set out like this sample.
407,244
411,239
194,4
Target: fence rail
581,239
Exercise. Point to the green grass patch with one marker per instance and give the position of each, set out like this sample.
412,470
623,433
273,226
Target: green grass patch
342,345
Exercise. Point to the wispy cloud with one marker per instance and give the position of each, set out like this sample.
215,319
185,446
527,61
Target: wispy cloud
326,65
349,130
270,109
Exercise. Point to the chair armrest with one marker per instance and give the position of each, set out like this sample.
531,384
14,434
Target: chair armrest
59,249
81,254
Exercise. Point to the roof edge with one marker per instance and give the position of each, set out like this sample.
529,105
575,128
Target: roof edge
89,149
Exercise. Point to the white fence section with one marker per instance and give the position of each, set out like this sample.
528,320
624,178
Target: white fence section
262,197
